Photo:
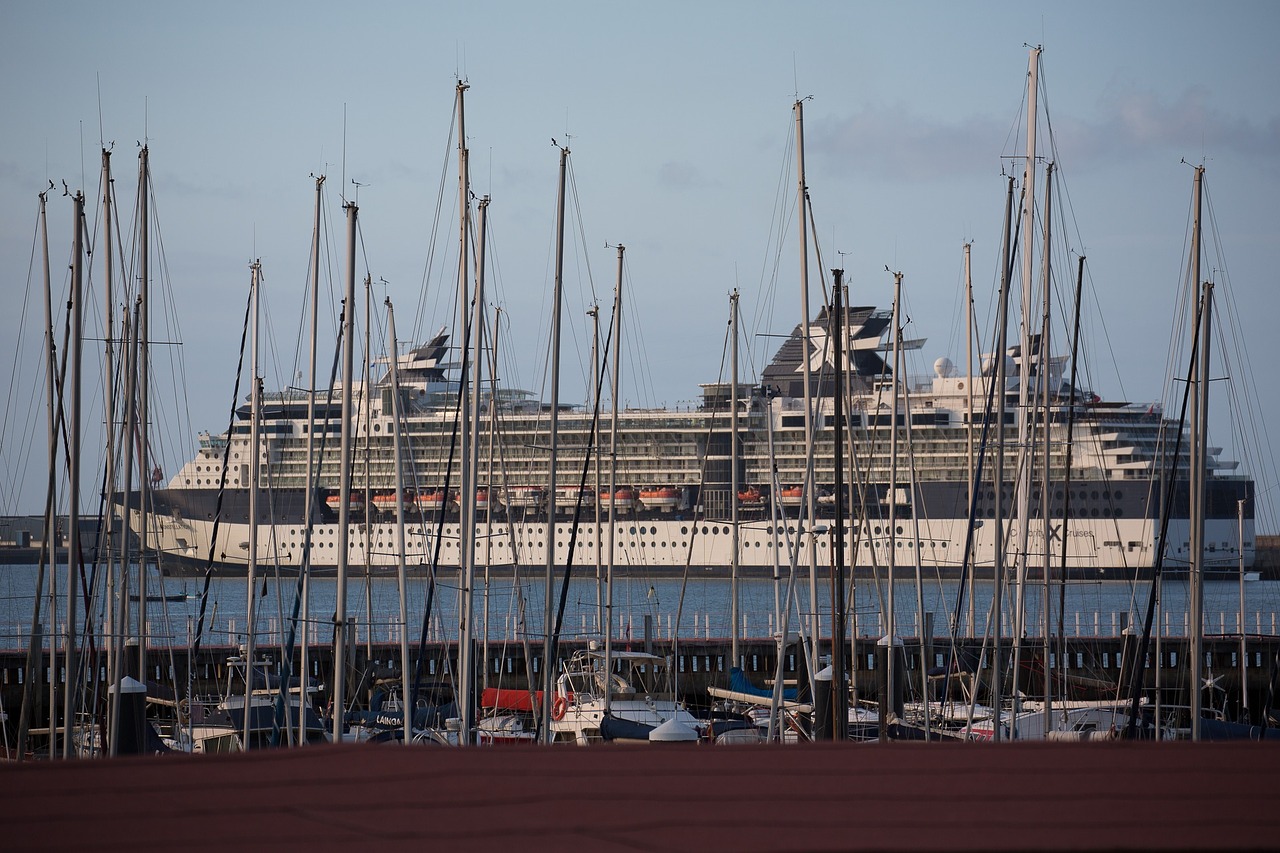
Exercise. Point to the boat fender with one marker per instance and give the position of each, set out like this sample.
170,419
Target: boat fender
559,707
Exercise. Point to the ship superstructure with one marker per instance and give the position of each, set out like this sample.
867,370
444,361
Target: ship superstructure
674,468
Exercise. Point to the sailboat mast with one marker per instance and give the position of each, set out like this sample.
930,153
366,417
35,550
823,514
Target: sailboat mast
344,482
997,475
839,693
73,464
802,193
968,384
397,439
1196,509
735,617
548,663
108,407
143,332
1046,374
614,388
594,391
309,497
466,556
255,452
1023,489
117,598
467,494
48,546
891,617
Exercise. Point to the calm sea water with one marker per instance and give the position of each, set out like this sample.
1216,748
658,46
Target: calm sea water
696,607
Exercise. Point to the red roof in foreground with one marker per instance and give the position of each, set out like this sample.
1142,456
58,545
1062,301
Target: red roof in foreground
672,798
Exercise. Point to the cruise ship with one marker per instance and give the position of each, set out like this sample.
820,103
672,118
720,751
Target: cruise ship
910,502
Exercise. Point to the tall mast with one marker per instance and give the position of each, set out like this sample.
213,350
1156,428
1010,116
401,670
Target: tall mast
366,404
465,521
309,497
839,697
1198,442
1023,492
1045,373
143,367
614,388
734,615
802,194
594,391
73,464
255,452
891,618
997,473
48,547
968,384
467,496
117,579
114,644
401,569
344,481
548,663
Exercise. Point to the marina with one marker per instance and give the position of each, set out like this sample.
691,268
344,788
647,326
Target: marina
483,532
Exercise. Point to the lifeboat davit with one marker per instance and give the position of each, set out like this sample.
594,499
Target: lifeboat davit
571,496
355,502
750,496
523,497
665,498
622,500
791,496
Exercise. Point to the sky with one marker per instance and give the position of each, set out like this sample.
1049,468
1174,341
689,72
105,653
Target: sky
679,117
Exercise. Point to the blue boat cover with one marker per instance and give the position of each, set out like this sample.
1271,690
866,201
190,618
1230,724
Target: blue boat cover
739,683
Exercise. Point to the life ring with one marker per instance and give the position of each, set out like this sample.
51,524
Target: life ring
559,707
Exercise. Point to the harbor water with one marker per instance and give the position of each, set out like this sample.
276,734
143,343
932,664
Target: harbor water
696,606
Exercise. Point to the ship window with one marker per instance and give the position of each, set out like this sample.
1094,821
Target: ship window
684,531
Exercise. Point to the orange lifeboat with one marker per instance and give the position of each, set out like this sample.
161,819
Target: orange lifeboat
622,500
482,499
431,501
750,496
355,502
386,502
665,498
791,496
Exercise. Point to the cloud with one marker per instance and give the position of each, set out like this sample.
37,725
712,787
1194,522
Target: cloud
892,140
1135,123
681,175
